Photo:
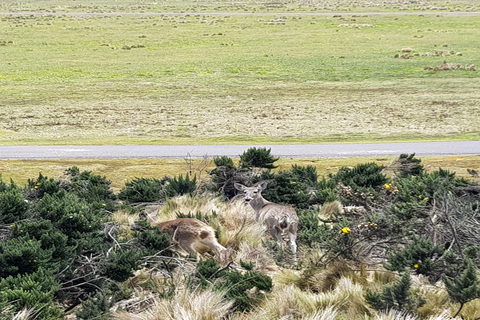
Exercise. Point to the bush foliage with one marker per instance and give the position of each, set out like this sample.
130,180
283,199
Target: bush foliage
59,245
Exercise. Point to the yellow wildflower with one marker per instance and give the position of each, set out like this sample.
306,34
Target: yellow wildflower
386,186
425,199
415,266
344,230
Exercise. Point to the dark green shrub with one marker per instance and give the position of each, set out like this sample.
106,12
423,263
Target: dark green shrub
31,291
143,190
234,283
12,205
206,269
310,230
153,240
22,255
42,185
336,238
76,218
464,287
324,191
237,285
96,307
225,175
419,255
71,214
283,188
257,158
121,264
408,165
368,175
93,188
180,186
415,192
50,239
223,161
395,296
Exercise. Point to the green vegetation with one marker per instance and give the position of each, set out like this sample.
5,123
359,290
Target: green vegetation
280,75
77,242
71,245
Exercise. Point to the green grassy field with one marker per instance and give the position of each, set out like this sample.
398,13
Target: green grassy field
238,78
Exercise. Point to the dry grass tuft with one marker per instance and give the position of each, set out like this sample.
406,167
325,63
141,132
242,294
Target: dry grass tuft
330,209
347,299
395,315
260,257
185,304
125,220
188,205
237,225
327,314
471,310
25,314
402,315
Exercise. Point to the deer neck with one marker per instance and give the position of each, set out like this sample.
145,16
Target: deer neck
257,204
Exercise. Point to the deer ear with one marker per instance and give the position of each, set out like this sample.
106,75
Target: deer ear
239,186
262,185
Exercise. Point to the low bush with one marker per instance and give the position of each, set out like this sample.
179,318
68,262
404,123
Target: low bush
258,158
396,296
180,186
34,290
234,283
143,190
12,205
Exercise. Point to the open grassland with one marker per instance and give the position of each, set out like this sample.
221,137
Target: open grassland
280,75
121,171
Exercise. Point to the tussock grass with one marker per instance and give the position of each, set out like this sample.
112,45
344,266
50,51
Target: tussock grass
25,314
400,315
259,256
237,226
125,220
289,301
185,304
188,205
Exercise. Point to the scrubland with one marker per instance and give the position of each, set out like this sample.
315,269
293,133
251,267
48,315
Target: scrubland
235,72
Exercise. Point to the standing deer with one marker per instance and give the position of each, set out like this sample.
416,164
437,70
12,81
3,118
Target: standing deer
279,219
187,232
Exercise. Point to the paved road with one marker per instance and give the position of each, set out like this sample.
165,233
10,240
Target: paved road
198,151
403,13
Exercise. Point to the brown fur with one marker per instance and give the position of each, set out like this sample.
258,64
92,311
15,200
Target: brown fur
186,233
278,219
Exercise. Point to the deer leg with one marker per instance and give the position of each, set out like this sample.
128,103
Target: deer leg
292,237
293,245
213,244
276,234
187,245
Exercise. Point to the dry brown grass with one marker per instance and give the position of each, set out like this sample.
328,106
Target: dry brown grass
185,304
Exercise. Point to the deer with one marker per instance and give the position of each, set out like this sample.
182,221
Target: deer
186,233
279,219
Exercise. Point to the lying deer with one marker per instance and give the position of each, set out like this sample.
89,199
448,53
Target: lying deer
279,219
187,232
